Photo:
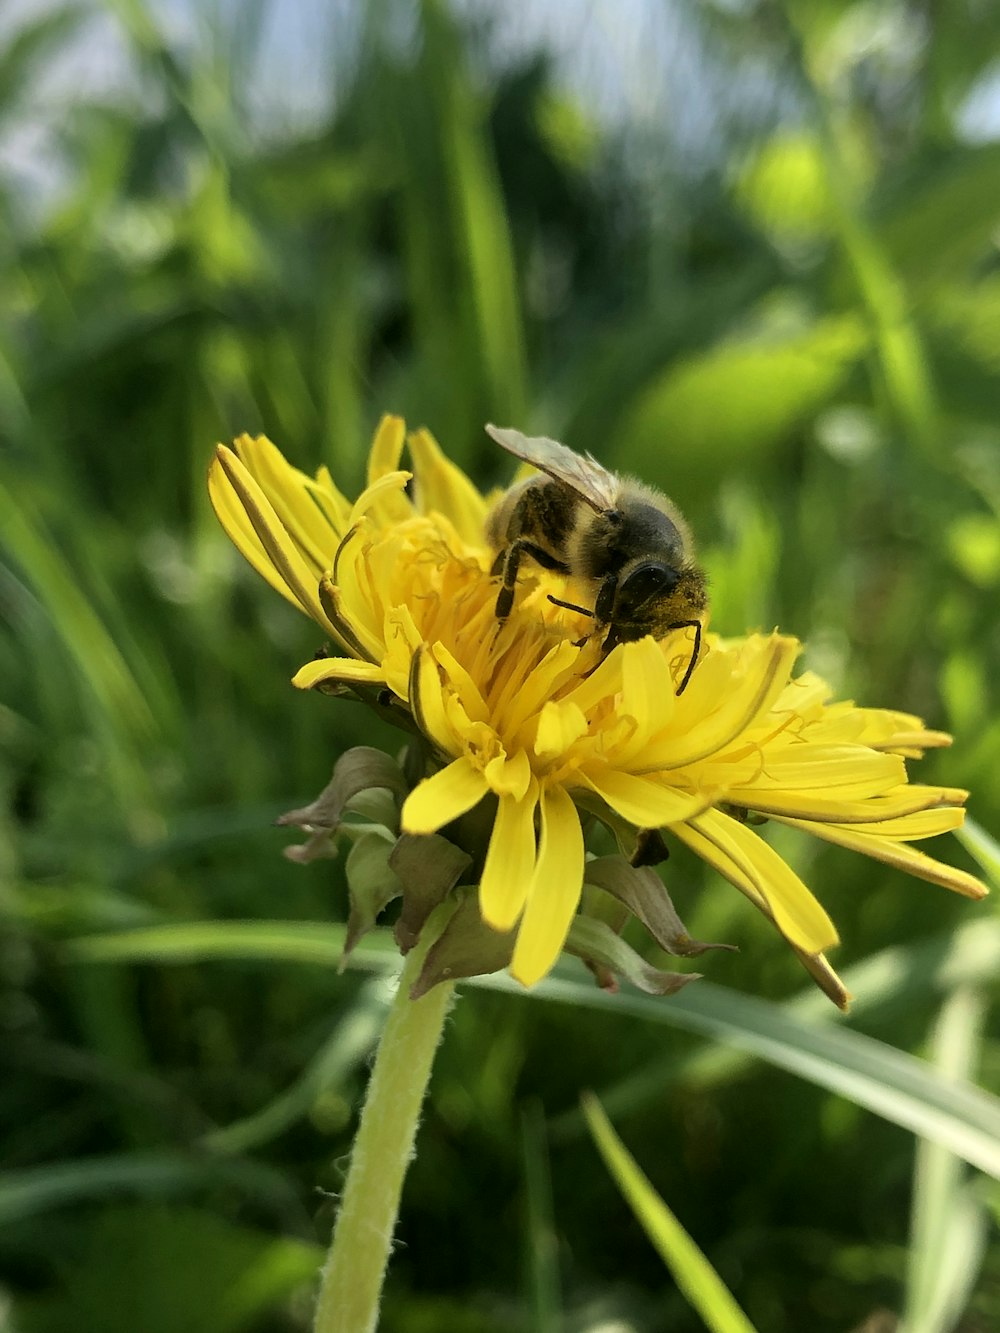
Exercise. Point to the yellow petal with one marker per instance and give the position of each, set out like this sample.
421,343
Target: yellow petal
748,694
272,540
916,826
387,447
648,690
509,777
560,725
641,800
886,811
554,892
292,494
375,494
797,914
443,797
897,854
465,687
444,487
236,523
349,620
428,702
530,694
849,772
337,668
510,861
604,682
334,504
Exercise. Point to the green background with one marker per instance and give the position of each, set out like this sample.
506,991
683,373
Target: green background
770,287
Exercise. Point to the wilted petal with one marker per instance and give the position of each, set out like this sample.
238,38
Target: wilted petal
600,947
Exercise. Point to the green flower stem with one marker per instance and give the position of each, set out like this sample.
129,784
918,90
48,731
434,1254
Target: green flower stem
351,1283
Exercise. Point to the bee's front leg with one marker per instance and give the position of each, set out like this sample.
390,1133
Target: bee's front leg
604,612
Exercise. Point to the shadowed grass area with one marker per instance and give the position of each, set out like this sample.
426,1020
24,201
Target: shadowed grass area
794,332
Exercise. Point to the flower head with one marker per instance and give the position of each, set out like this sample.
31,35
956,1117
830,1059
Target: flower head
527,719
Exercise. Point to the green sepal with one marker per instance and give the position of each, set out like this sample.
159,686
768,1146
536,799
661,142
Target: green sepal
467,947
371,883
428,867
609,957
643,893
635,844
362,769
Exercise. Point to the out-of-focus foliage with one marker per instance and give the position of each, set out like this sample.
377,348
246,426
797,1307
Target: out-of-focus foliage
780,301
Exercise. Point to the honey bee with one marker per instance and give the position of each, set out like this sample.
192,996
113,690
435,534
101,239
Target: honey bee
629,542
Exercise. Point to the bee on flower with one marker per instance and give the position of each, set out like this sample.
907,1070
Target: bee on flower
531,726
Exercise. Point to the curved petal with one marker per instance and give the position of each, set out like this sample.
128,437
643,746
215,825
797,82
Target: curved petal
749,693
443,797
315,528
272,537
509,777
373,496
560,725
428,703
347,669
794,910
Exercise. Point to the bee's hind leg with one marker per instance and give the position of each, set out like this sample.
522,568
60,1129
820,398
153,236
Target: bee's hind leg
508,562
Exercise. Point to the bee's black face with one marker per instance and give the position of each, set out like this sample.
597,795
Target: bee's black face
648,581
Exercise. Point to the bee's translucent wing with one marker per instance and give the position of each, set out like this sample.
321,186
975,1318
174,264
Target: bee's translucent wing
582,473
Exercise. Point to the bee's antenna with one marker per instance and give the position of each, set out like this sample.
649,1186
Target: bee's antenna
696,626
571,606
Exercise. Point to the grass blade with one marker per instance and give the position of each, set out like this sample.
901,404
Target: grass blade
692,1272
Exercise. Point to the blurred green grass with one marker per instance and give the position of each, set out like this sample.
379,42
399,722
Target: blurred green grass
795,335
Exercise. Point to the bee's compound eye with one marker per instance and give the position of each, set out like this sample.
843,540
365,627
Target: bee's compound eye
651,579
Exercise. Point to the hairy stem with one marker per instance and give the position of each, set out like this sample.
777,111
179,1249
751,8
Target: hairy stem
351,1283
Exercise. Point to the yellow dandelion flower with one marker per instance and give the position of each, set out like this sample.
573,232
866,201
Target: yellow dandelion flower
530,715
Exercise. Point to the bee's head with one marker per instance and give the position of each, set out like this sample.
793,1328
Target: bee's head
652,596
647,582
